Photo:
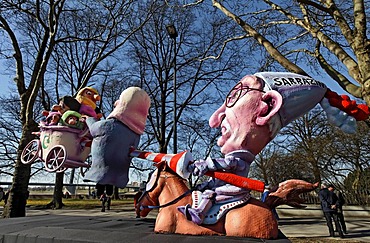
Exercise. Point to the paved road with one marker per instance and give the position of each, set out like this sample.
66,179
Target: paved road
358,229
120,225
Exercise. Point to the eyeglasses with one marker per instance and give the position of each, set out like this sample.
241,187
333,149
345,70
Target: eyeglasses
236,93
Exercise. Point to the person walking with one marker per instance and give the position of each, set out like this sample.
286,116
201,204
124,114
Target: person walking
341,201
104,193
2,194
265,193
328,204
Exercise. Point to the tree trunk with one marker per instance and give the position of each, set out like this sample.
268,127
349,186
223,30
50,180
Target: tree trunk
57,202
18,193
115,193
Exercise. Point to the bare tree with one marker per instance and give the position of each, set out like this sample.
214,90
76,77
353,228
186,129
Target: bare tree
41,19
275,164
311,149
300,34
351,156
33,30
201,82
308,138
336,30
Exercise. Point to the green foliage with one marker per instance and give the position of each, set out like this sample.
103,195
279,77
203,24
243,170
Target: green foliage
358,180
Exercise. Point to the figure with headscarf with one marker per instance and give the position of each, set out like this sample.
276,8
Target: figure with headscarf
113,137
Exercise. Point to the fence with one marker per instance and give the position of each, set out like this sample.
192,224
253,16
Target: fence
358,197
46,190
352,197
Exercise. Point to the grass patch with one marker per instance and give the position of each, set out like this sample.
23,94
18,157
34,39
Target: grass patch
72,203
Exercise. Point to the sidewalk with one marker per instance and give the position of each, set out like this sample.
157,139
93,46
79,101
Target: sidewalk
120,225
358,229
310,223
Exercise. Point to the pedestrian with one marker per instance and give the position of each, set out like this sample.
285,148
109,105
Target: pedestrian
265,193
104,193
328,204
138,195
93,194
341,201
2,194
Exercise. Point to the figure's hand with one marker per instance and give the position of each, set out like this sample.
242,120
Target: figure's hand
56,108
199,167
45,113
99,115
288,193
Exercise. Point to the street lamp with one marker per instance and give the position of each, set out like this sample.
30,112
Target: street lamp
172,32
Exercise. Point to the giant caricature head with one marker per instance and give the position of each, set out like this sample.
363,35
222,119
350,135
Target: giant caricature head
243,117
260,105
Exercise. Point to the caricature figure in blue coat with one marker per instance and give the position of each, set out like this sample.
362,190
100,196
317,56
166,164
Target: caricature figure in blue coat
113,137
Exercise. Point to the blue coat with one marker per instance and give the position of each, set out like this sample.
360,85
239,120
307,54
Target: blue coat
327,198
110,151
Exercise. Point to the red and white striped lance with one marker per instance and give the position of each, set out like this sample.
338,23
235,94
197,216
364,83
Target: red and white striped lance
179,164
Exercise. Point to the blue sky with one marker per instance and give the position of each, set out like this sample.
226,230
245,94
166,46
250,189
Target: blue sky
5,82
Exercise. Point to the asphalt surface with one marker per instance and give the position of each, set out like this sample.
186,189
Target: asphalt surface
120,225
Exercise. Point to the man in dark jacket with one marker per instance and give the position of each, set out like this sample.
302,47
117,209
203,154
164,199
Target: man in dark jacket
340,204
328,204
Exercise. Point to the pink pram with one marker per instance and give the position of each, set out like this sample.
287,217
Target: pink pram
59,147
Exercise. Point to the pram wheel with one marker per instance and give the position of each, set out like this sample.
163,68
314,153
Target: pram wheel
31,152
55,158
87,166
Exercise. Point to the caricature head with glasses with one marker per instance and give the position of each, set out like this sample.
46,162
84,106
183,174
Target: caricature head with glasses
237,92
246,115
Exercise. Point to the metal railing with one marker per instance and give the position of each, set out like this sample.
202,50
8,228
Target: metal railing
46,189
353,197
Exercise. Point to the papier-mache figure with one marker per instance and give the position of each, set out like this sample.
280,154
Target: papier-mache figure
88,97
52,118
72,119
254,111
66,103
113,137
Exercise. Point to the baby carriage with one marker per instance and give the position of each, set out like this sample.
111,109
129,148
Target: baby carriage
59,147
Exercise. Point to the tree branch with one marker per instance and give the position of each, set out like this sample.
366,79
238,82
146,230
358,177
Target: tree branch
287,64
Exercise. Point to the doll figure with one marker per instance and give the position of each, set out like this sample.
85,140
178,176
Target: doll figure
52,118
67,103
72,119
88,97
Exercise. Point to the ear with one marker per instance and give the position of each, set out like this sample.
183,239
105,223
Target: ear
161,165
272,102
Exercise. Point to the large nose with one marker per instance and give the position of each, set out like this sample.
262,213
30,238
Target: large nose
217,117
97,97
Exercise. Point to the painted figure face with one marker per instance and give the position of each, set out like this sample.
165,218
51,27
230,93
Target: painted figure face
236,117
55,118
72,120
63,107
89,94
